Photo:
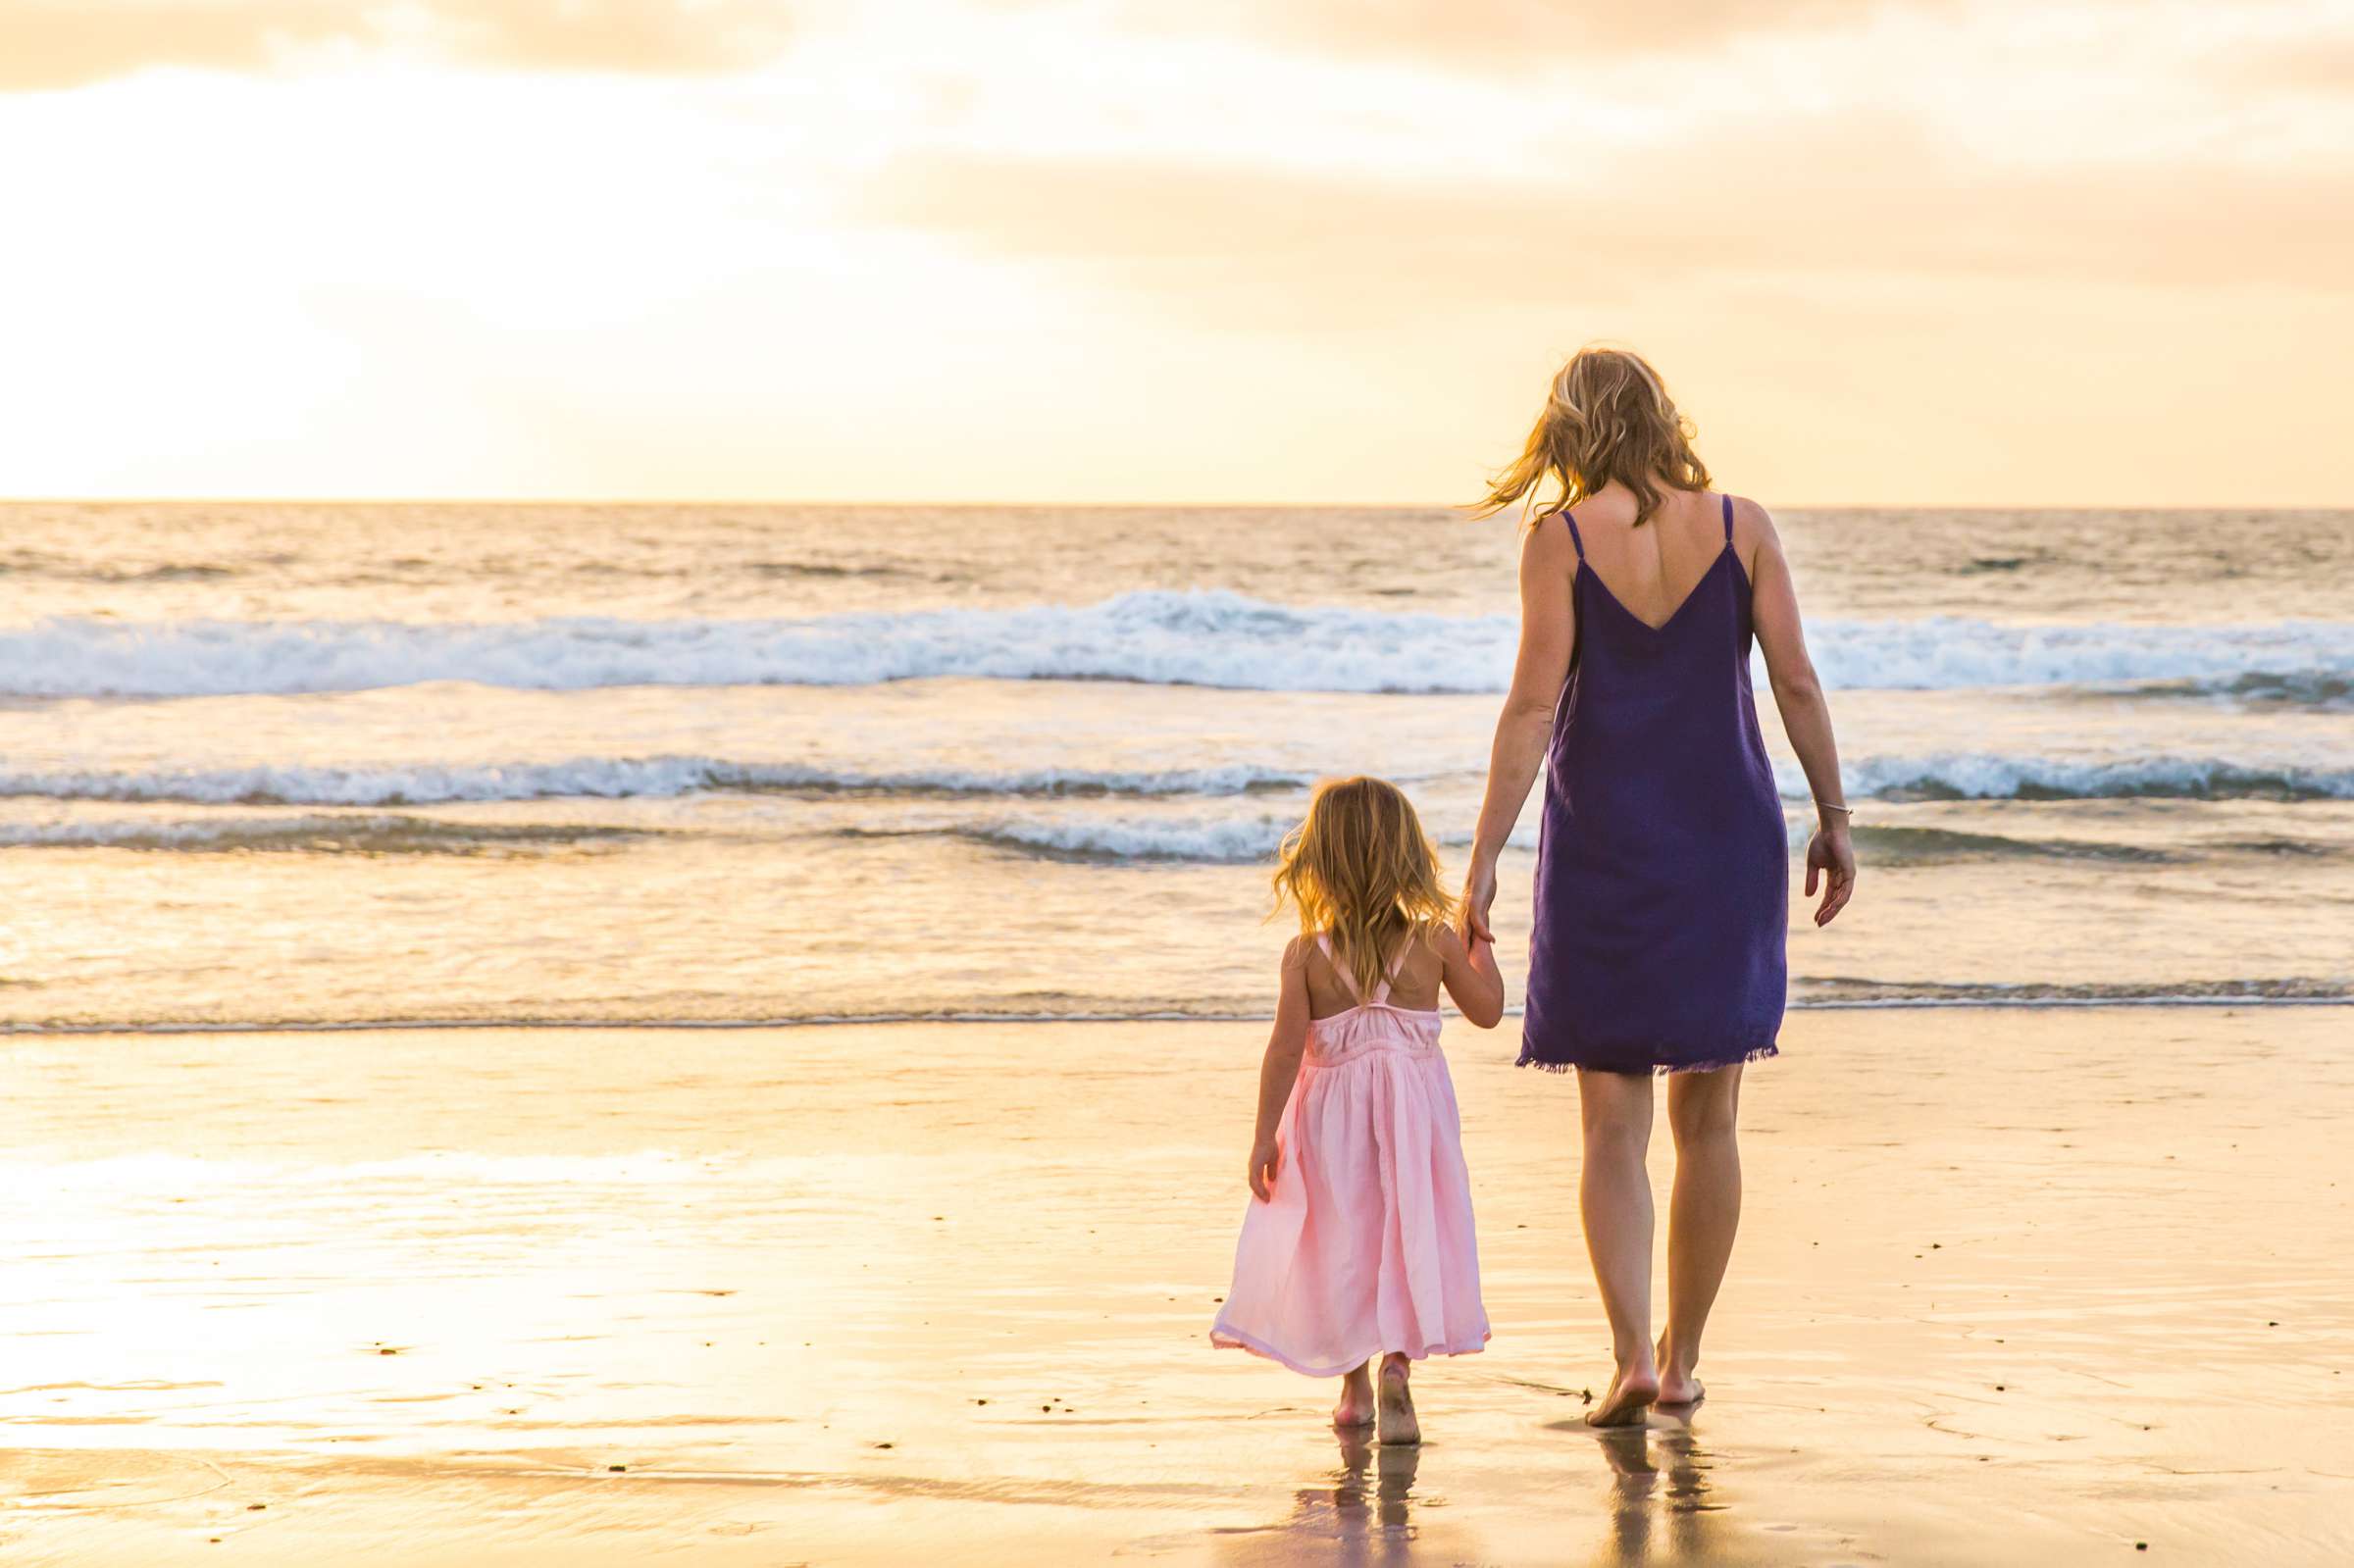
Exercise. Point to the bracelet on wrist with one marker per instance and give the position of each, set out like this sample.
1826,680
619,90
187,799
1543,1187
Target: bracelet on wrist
1821,806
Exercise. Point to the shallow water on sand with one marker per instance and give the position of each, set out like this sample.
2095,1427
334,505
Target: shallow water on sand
2029,1293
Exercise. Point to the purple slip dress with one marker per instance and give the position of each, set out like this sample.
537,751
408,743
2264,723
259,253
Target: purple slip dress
1663,865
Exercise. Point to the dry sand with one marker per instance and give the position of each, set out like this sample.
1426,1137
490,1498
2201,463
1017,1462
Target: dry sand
2014,1287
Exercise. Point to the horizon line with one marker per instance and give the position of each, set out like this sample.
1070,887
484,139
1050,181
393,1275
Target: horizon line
1113,506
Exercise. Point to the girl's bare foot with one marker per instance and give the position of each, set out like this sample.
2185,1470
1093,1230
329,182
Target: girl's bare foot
1632,1392
1398,1424
1677,1385
1355,1409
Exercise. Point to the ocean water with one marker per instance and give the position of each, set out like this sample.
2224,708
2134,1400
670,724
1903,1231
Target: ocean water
351,764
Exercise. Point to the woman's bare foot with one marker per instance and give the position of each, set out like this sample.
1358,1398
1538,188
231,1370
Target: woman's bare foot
1632,1392
1396,1407
1677,1385
1355,1409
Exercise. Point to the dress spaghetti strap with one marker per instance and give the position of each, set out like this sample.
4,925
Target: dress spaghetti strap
1728,522
1389,975
1381,991
1348,980
1576,540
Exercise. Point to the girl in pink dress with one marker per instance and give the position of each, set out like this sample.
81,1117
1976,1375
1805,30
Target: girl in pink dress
1357,1245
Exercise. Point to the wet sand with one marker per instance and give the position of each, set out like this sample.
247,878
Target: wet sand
2014,1286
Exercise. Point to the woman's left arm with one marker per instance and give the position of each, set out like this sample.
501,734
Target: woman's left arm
1805,716
1548,634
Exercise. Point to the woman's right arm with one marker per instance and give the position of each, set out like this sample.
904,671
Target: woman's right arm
1548,634
1806,715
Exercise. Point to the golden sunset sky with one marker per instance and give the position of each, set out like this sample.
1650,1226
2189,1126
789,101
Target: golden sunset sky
1130,250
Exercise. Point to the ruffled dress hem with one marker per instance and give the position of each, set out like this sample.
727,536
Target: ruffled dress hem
1226,1339
1706,1064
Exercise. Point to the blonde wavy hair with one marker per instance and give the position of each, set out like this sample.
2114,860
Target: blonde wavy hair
1606,417
1360,866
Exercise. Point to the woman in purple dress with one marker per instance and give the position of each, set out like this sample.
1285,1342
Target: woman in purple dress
1663,865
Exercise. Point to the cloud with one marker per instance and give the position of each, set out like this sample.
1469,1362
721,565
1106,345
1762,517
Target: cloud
1844,196
1498,35
2323,65
68,43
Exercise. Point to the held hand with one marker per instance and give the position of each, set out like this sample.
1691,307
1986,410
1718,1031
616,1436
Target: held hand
1479,891
1266,1158
1830,860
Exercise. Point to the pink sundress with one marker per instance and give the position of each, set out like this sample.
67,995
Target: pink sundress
1366,1246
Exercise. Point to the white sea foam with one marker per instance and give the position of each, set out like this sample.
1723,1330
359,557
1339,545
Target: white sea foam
293,834
1936,775
1211,638
1967,775
156,834
1227,841
605,778
1239,839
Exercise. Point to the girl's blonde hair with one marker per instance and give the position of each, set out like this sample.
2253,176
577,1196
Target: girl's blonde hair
1360,866
1607,417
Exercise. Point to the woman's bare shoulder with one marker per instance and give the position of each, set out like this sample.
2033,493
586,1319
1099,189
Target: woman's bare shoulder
1545,543
1749,512
1754,530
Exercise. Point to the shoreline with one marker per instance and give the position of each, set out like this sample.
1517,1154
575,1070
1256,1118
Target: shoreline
1031,1020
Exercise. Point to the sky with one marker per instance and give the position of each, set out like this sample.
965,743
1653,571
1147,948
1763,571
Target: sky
1935,252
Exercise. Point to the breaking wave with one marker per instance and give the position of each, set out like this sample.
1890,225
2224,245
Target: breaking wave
313,834
1965,775
1202,637
608,778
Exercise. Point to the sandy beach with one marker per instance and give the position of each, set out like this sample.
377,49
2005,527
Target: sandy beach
2015,1286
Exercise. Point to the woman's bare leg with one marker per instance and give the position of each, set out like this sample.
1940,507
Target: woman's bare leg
1613,1193
1702,1217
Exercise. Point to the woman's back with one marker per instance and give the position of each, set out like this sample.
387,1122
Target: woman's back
1653,567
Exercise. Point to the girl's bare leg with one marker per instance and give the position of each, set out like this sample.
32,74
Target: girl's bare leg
1355,1409
1702,1217
1614,1193
1398,1425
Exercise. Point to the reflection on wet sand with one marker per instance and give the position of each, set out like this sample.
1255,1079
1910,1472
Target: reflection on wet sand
1655,1483
1662,1511
1365,1513
1665,1506
1370,1501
